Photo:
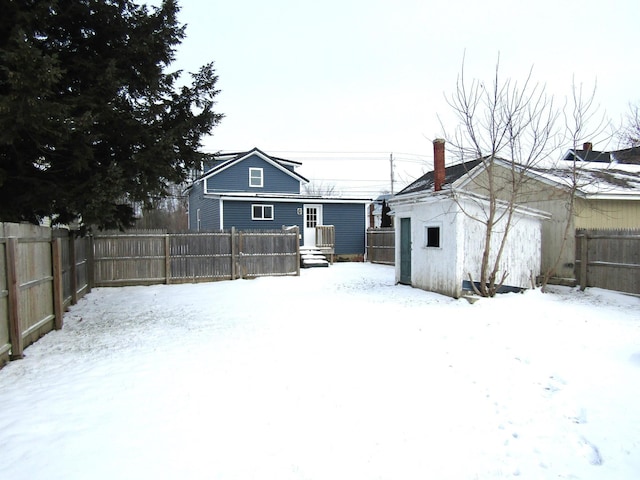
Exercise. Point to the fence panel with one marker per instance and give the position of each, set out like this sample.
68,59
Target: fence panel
267,253
608,259
35,277
82,247
200,257
381,245
129,259
145,258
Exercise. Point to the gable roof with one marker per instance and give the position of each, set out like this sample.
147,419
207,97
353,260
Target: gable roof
587,156
230,159
451,174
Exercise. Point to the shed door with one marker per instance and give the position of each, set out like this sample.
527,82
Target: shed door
312,218
405,251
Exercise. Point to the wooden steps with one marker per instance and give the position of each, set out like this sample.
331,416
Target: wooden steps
311,257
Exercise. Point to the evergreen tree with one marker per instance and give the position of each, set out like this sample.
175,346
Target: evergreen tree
91,122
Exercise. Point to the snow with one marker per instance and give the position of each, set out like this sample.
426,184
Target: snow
596,178
336,374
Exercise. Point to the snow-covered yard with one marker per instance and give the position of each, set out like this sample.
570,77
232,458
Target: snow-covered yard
336,374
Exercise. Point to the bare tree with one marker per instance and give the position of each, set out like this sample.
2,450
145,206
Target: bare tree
630,134
320,189
515,131
510,128
583,122
167,213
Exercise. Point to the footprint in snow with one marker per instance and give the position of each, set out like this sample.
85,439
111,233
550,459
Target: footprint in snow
589,451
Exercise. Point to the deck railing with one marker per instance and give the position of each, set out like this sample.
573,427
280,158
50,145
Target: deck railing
326,240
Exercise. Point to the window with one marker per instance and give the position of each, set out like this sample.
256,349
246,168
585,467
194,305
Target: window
255,177
261,212
312,217
432,236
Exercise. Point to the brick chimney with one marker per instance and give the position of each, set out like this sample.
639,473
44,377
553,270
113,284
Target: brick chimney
438,164
587,146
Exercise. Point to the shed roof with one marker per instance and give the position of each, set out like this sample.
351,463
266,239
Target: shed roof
452,173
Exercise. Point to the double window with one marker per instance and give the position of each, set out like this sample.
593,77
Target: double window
256,177
261,212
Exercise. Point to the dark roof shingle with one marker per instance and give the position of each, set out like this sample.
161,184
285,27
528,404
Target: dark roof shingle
451,174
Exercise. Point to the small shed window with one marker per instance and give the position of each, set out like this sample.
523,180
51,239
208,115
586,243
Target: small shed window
256,177
261,212
432,236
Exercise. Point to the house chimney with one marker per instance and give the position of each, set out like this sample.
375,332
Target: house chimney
438,164
587,146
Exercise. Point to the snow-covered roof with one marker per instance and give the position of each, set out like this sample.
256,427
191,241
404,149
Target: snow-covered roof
595,179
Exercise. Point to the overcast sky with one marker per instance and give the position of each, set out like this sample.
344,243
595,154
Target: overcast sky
361,79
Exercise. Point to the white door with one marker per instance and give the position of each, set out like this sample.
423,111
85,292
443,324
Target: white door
312,218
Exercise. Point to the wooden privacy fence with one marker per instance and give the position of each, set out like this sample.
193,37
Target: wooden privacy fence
381,245
40,275
608,259
139,258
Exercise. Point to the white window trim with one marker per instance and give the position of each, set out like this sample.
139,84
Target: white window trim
251,177
262,208
427,226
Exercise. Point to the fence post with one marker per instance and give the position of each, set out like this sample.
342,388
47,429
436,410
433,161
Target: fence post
167,259
296,230
58,295
73,270
90,263
15,332
239,267
233,253
584,259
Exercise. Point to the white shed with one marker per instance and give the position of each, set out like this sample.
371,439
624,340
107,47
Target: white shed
440,234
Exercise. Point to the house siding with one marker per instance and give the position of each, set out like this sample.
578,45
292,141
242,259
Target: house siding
238,214
607,214
209,210
349,221
236,178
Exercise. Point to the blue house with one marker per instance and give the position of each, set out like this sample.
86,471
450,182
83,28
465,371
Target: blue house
253,190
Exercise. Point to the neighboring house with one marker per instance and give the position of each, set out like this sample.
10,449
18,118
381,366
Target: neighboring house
440,239
379,212
630,156
607,197
254,190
